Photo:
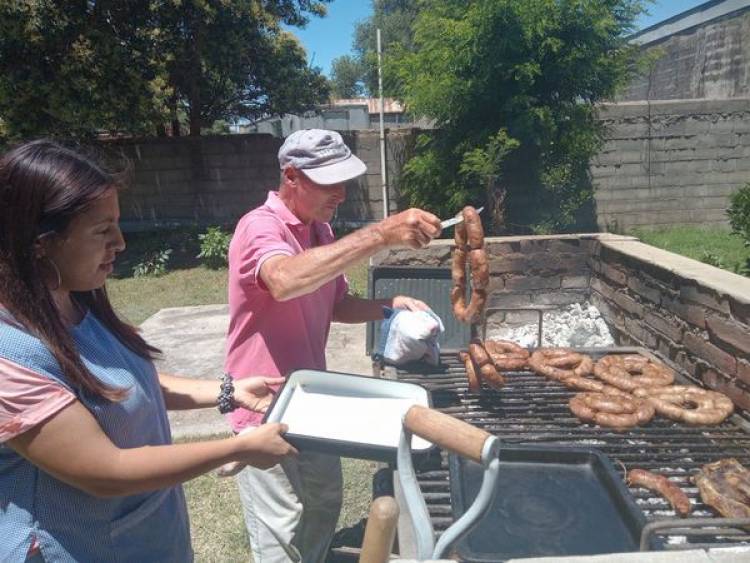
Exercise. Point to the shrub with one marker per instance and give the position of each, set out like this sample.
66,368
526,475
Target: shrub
154,264
712,259
739,213
742,269
214,247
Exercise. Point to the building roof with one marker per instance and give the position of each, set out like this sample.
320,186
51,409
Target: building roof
390,105
690,18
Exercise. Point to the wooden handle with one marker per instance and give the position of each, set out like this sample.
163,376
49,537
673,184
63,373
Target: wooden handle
380,531
447,432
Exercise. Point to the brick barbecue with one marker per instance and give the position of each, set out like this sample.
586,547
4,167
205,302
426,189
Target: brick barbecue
693,317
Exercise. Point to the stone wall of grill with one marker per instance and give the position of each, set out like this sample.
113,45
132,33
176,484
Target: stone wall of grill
694,316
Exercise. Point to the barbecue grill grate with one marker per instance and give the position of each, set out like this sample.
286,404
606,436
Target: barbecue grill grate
531,410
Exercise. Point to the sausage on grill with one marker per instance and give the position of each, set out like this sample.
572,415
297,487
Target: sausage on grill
614,411
481,358
507,355
662,486
475,383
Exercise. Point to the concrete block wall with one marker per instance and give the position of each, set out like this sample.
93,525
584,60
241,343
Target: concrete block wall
203,180
709,60
694,316
663,163
217,179
671,162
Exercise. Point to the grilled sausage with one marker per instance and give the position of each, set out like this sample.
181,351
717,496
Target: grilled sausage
458,268
630,371
618,412
474,231
560,363
507,355
469,235
481,358
478,353
662,486
480,268
459,235
475,383
491,376
688,403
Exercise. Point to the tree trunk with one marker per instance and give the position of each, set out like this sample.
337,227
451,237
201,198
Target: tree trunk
194,95
496,200
175,120
196,121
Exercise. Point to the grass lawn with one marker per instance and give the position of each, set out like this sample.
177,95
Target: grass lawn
711,245
186,282
138,298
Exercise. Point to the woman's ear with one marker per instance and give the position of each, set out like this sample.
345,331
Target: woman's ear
42,244
39,248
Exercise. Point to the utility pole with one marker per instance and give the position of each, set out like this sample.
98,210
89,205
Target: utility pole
383,162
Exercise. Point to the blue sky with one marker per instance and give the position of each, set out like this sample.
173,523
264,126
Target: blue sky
330,37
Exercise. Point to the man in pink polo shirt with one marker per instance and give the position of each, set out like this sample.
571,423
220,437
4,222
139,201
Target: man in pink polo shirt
286,286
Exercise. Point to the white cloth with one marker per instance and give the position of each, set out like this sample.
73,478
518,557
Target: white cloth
408,336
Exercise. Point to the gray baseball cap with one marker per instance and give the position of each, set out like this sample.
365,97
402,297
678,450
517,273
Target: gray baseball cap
321,155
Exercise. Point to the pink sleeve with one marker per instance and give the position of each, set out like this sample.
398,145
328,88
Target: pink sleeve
27,399
254,242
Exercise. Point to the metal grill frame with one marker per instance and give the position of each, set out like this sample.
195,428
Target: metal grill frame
531,409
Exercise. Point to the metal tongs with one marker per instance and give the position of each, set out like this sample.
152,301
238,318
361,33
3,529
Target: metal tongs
460,438
459,218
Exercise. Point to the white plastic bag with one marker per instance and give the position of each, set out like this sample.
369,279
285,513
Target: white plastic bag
408,336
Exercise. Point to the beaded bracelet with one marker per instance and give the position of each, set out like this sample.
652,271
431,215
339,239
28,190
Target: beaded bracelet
225,400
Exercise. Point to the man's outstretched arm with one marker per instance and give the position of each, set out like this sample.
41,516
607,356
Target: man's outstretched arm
287,277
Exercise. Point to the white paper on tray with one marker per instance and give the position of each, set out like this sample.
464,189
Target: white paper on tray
372,421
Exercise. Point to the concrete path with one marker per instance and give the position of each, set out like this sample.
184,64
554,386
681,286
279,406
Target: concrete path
192,342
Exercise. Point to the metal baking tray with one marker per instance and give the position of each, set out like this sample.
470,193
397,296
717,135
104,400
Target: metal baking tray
346,415
551,501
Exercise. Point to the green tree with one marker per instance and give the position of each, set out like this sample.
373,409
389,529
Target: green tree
230,58
346,78
70,67
512,86
63,69
395,19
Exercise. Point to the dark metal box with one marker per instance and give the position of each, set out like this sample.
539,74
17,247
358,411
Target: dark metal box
551,501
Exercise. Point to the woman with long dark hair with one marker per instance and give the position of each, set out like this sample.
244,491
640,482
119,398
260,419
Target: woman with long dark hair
87,468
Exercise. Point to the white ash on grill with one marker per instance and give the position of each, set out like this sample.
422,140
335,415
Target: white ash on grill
576,325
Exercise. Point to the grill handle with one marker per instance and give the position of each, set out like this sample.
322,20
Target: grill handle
447,432
462,439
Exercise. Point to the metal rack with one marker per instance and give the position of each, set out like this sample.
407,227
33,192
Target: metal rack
531,409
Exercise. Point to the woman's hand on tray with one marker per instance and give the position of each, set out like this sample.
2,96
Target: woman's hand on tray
264,446
256,393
